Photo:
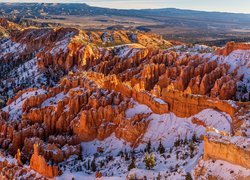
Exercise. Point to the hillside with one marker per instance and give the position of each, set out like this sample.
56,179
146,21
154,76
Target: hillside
212,28
121,104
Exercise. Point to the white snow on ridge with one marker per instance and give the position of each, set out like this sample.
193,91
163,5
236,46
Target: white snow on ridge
167,128
238,59
219,120
53,100
60,46
137,109
11,47
15,108
111,145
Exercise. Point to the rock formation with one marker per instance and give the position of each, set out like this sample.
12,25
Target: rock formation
233,153
89,80
232,46
38,163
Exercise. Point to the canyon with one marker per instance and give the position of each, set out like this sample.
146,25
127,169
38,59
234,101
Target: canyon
65,90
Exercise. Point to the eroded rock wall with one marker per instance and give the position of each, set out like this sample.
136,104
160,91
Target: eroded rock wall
227,151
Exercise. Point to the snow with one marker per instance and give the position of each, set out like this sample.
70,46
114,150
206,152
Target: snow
53,100
216,119
127,50
238,59
240,141
83,176
111,145
10,160
224,170
60,46
137,109
26,74
195,49
168,165
15,108
166,128
160,101
11,47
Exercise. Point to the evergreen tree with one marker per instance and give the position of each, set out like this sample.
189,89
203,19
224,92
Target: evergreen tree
188,176
149,161
88,165
93,165
132,164
177,142
126,155
148,147
158,176
161,148
185,140
194,138
191,148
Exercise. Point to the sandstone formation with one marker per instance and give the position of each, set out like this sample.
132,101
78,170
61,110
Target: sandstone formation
232,46
227,151
102,75
38,163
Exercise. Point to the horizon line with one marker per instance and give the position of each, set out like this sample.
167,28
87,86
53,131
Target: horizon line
198,10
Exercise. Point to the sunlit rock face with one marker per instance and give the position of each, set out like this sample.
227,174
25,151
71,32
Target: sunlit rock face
233,152
232,46
74,95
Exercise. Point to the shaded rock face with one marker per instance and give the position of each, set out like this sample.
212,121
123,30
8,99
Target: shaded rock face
227,151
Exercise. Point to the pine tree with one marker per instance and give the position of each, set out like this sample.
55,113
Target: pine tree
185,140
161,148
148,147
93,165
177,142
191,148
188,176
194,138
126,155
88,165
149,161
132,164
158,176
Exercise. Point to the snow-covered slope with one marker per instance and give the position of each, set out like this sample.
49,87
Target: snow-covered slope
167,129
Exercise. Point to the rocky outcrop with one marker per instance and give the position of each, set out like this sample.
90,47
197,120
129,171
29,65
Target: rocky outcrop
186,105
232,46
227,151
38,163
106,74
10,169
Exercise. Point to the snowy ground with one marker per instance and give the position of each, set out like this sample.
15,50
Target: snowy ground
167,128
11,47
15,108
222,170
23,76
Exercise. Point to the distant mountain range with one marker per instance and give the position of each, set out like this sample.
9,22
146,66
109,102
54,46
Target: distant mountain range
183,25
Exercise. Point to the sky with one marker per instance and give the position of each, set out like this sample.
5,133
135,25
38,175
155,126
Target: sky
237,6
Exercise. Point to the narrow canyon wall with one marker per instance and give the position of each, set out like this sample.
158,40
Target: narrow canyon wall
232,46
226,151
